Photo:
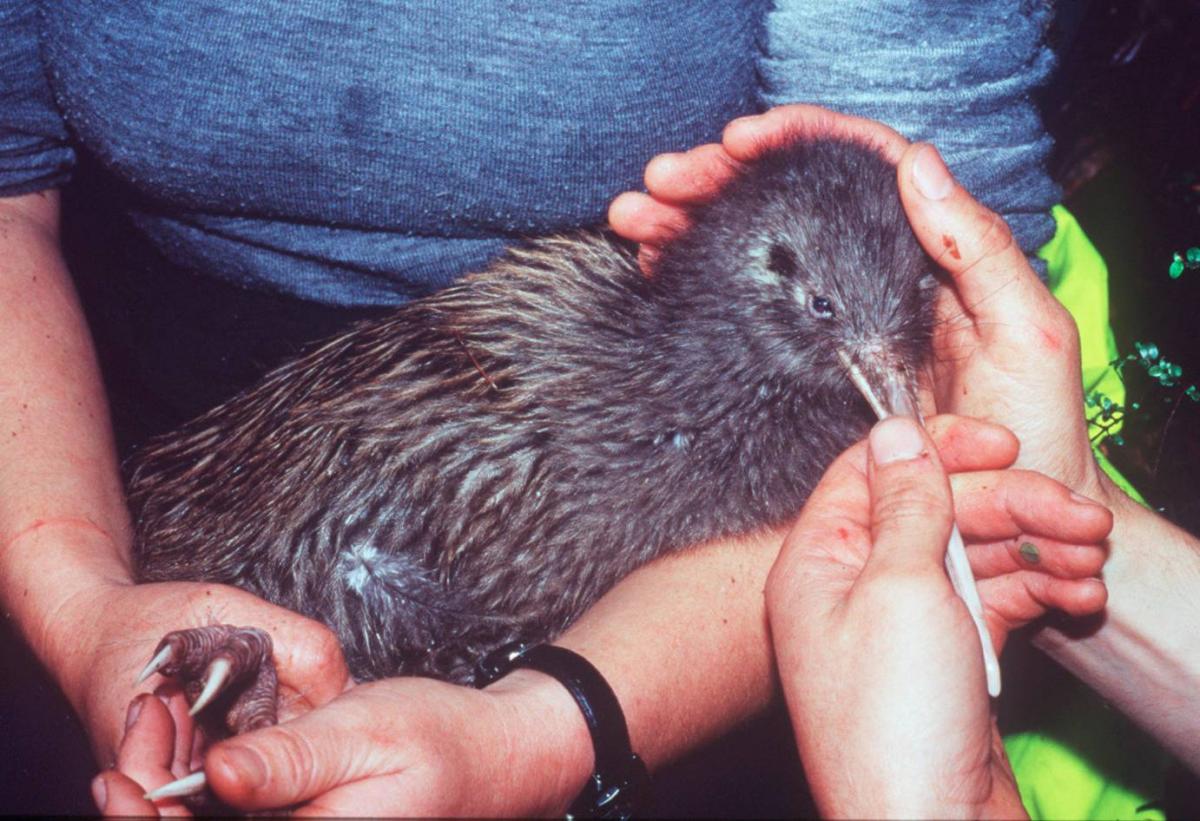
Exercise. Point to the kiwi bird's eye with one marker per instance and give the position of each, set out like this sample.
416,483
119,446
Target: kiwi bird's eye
821,307
782,261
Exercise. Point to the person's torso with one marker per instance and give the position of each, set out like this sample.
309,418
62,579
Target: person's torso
386,141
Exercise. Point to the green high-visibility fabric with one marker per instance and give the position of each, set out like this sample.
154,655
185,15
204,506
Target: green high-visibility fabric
1087,761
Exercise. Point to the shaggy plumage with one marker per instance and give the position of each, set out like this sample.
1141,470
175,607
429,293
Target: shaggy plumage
484,464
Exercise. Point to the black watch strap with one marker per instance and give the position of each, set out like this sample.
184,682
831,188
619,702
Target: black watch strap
620,782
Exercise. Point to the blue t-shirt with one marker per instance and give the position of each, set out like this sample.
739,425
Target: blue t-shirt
366,152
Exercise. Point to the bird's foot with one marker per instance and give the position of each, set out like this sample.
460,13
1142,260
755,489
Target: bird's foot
232,666
228,667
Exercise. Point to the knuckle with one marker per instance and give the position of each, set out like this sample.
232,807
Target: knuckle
995,237
326,646
318,649
294,759
913,505
1070,330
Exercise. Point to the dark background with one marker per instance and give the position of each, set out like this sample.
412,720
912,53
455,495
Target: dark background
1125,112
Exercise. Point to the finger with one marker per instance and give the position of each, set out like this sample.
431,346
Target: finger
972,243
177,706
749,137
349,800
692,177
291,763
119,796
1015,599
641,218
1062,560
911,508
310,663
842,496
648,259
148,749
965,444
996,505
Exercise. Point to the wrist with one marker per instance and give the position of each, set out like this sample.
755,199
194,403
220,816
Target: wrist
549,736
52,577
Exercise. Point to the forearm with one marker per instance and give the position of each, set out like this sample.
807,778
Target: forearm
1145,656
63,526
684,644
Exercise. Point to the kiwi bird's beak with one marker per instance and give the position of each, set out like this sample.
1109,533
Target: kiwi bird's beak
884,385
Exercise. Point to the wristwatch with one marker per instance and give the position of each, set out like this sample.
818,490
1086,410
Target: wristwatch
620,782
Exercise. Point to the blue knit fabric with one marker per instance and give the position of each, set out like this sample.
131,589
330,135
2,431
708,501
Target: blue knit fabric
34,152
365,152
959,75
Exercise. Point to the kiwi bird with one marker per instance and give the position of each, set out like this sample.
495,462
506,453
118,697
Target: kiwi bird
483,464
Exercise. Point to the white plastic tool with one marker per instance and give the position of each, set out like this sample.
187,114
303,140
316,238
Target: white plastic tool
898,401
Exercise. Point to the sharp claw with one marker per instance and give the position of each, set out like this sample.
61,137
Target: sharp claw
215,678
161,659
188,785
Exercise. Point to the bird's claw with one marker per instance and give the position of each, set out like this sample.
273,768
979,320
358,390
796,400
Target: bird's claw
162,657
211,660
193,784
216,677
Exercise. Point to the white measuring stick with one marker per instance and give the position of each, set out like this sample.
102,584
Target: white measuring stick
900,403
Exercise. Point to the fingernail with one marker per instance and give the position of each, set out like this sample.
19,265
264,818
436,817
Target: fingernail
100,792
664,163
249,766
896,439
134,711
1083,500
930,174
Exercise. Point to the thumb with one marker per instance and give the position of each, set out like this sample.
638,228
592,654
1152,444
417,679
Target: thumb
286,764
971,242
911,507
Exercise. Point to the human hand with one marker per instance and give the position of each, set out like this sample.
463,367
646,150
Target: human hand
397,747
1004,348
117,626
896,721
